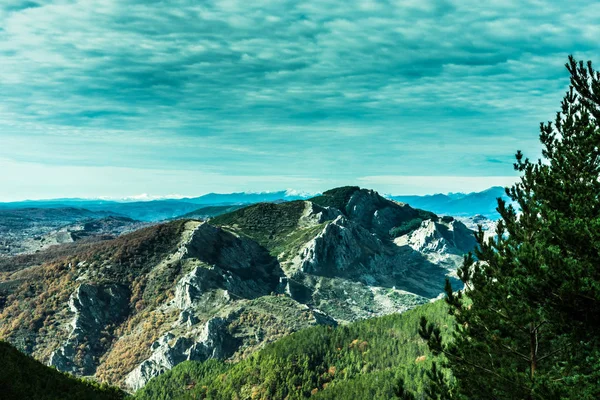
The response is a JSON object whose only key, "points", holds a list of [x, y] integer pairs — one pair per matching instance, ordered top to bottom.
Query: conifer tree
{"points": [[528, 319]]}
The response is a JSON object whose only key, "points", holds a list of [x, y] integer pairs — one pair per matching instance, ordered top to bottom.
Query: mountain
{"points": [[247, 198], [459, 204], [155, 210], [128, 309], [22, 377]]}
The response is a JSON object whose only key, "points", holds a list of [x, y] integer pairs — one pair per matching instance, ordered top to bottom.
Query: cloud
{"points": [[323, 88]]}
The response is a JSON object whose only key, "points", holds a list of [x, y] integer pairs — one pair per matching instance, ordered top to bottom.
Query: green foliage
{"points": [[336, 198], [423, 214], [447, 219], [264, 222], [414, 223], [274, 226], [405, 227], [529, 328], [366, 359], [22, 377], [186, 381]]}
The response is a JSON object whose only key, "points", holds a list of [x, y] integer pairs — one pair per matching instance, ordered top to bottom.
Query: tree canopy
{"points": [[528, 320]]}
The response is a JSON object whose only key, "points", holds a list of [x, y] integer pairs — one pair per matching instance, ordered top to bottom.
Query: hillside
{"points": [[127, 309], [365, 359], [22, 377]]}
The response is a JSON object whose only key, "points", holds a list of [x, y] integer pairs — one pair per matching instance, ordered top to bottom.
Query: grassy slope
{"points": [[336, 198], [274, 226], [33, 315], [365, 359], [22, 377]]}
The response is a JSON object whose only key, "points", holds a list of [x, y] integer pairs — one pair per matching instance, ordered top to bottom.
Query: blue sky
{"points": [[121, 97]]}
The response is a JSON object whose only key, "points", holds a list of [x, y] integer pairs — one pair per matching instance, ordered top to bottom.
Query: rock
{"points": [[315, 214], [377, 214], [488, 226], [441, 238], [217, 247], [341, 248], [240, 266], [191, 287], [95, 307], [187, 318], [212, 342]]}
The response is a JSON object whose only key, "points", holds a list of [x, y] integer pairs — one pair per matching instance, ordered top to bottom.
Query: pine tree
{"points": [[528, 319]]}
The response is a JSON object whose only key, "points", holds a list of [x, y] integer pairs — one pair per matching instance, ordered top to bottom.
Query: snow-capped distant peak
{"points": [[299, 193], [144, 197]]}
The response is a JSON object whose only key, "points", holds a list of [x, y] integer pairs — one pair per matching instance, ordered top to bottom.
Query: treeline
{"points": [[528, 327], [367, 358], [22, 377]]}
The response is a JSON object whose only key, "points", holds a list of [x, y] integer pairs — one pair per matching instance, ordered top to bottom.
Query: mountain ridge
{"points": [[458, 204], [225, 287]]}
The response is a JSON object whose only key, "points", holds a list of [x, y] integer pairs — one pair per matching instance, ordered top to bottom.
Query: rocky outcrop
{"points": [[315, 214], [377, 214], [487, 225], [440, 238], [342, 248], [241, 256], [240, 266], [203, 279], [95, 307], [212, 342]]}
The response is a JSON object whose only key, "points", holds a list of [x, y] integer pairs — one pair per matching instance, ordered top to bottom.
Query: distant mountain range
{"points": [[457, 204], [158, 210]]}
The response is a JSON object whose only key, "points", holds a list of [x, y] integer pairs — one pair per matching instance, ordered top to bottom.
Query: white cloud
{"points": [[325, 89]]}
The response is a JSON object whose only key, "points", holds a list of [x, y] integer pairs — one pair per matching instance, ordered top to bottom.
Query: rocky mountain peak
{"points": [[371, 210]]}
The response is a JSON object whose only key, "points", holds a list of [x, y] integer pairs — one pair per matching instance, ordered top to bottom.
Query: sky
{"points": [[115, 98]]}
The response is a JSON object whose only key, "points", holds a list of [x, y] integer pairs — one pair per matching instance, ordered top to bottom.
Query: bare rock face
{"points": [[315, 214], [487, 225], [437, 237], [441, 243], [342, 247], [242, 257], [237, 265], [192, 286], [95, 307], [212, 342]]}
